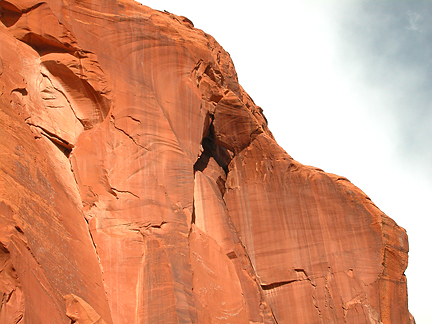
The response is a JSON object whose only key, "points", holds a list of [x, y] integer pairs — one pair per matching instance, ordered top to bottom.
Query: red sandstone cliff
{"points": [[139, 183]]}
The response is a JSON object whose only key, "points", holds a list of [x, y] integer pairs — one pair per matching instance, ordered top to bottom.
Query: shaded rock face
{"points": [[139, 183]]}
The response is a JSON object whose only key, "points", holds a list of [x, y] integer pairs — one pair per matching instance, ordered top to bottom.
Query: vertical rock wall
{"points": [[139, 183]]}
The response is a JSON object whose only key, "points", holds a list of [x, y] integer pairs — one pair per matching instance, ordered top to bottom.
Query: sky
{"points": [[345, 86]]}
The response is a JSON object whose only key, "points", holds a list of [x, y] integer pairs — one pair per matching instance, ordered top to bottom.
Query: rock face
{"points": [[140, 184]]}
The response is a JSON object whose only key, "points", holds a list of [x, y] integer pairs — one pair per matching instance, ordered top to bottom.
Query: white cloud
{"points": [[414, 18]]}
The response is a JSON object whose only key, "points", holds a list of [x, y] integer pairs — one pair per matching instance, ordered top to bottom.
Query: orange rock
{"points": [[140, 184]]}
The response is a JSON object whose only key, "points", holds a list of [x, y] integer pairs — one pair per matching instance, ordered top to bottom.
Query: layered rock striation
{"points": [[139, 183]]}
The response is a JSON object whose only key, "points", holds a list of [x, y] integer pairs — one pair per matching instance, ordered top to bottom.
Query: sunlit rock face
{"points": [[140, 184]]}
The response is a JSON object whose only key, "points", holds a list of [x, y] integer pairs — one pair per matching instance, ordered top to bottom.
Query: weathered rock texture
{"points": [[140, 184]]}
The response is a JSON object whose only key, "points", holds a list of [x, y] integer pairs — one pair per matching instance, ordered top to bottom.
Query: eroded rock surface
{"points": [[139, 183]]}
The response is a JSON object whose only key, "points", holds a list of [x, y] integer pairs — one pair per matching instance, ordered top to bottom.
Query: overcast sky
{"points": [[345, 86]]}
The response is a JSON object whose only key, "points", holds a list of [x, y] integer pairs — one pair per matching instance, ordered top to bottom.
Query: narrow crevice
{"points": [[134, 119], [125, 133], [64, 146], [65, 150], [220, 182], [124, 191], [193, 217], [156, 225], [19, 229], [93, 243], [96, 253], [277, 284], [19, 319]]}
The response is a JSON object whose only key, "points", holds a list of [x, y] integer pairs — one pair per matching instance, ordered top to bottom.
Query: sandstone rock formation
{"points": [[139, 183]]}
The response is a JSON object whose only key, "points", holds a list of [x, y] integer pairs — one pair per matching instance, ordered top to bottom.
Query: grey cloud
{"points": [[391, 45]]}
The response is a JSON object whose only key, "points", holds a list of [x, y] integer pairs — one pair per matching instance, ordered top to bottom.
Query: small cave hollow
{"points": [[9, 14], [43, 45], [212, 150]]}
